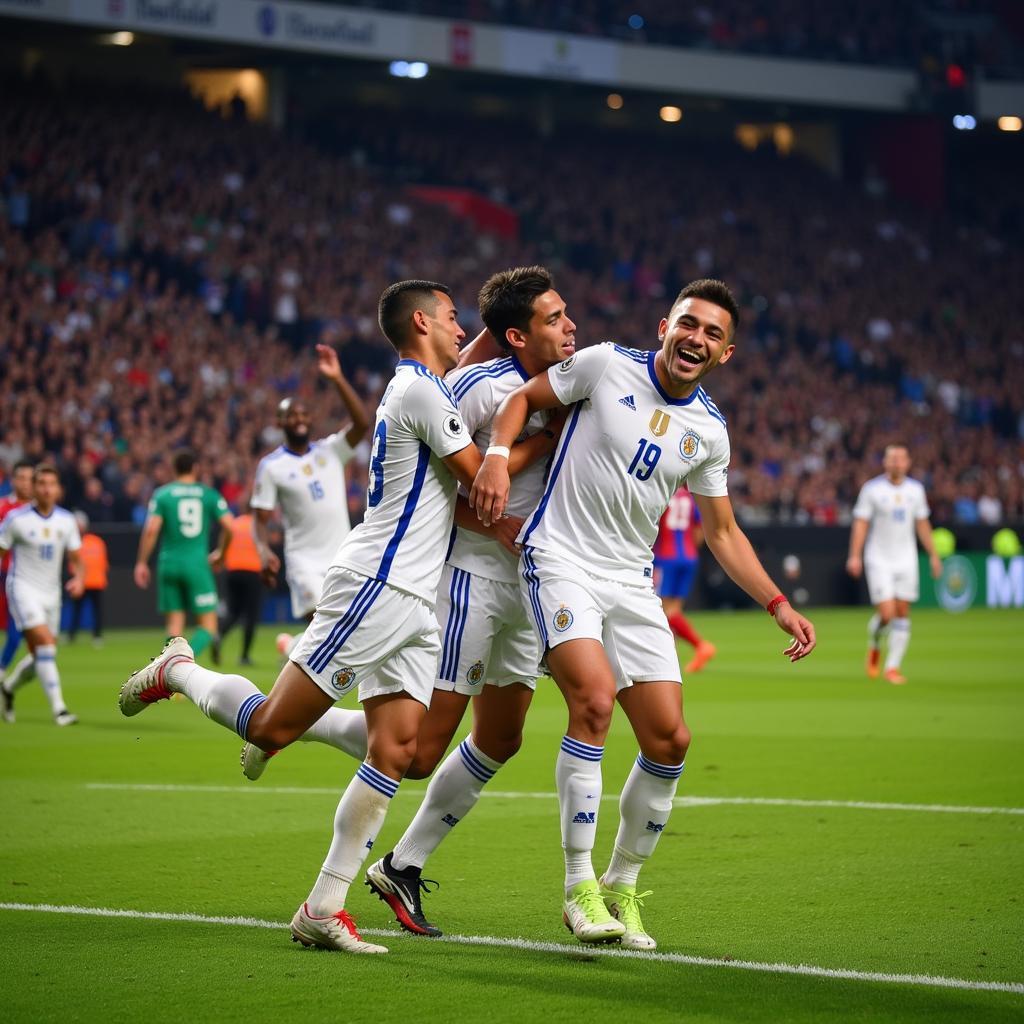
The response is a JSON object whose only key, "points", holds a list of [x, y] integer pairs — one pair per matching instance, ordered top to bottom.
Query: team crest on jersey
{"points": [[566, 364], [659, 422], [452, 426], [689, 444], [321, 461], [307, 469], [46, 531], [562, 619], [475, 673], [343, 680]]}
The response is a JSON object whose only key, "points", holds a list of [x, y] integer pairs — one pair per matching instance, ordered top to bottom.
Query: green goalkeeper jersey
{"points": [[187, 511]]}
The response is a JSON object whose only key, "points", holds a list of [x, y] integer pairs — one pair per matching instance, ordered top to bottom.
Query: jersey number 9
{"points": [[190, 517]]}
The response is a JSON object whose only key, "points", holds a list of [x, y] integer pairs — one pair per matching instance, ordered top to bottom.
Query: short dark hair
{"points": [[717, 292], [507, 298], [398, 303], [184, 461], [22, 464], [43, 469]]}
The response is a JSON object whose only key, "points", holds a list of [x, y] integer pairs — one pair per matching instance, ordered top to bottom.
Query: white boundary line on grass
{"points": [[680, 801], [808, 970]]}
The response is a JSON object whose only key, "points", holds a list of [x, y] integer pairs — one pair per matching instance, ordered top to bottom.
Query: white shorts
{"points": [[887, 582], [305, 584], [568, 603], [30, 607], [369, 635], [488, 636]]}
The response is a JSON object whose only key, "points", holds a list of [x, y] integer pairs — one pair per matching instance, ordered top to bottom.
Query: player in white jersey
{"points": [[640, 425], [307, 479], [890, 516], [38, 537], [374, 627]]}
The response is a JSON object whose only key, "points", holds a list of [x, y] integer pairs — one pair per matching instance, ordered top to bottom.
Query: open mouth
{"points": [[569, 347], [689, 357]]}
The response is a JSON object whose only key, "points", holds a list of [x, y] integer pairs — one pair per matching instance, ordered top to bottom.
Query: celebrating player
{"points": [[307, 479], [22, 489], [183, 512], [890, 516], [38, 536], [675, 566], [587, 576], [374, 627]]}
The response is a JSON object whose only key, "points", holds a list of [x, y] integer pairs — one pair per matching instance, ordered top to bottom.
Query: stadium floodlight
{"points": [[119, 39], [399, 68], [418, 69], [671, 114], [964, 122], [1010, 124]]}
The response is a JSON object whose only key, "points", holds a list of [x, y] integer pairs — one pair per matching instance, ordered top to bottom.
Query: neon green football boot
{"points": [[623, 903]]}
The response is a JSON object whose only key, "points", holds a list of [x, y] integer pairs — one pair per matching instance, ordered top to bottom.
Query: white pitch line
{"points": [[680, 801], [807, 970]]}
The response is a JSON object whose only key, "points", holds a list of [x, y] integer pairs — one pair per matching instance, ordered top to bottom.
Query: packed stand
{"points": [[165, 274]]}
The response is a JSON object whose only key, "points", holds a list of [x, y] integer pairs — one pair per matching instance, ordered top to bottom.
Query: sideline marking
{"points": [[680, 801], [808, 970]]}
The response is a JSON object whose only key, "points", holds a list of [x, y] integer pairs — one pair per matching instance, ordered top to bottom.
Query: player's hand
{"points": [[327, 362], [489, 493], [506, 530], [216, 561], [854, 566], [936, 566], [271, 567], [142, 575], [75, 586], [800, 629]]}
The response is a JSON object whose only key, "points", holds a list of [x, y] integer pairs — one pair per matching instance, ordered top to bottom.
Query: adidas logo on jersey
{"points": [[629, 402], [584, 818]]}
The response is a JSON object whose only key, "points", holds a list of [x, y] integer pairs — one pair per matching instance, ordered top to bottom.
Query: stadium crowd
{"points": [[164, 274]]}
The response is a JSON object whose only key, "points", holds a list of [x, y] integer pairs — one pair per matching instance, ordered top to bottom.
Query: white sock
{"points": [[876, 630], [899, 639], [46, 669], [24, 672], [228, 699], [340, 728], [578, 780], [451, 795], [644, 808], [357, 821]]}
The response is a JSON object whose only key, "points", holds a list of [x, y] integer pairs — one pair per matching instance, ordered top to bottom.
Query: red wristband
{"points": [[773, 604]]}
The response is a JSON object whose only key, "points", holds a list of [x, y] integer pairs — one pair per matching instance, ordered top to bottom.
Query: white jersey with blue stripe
{"points": [[479, 391], [625, 449], [311, 491], [410, 500], [893, 511], [37, 544]]}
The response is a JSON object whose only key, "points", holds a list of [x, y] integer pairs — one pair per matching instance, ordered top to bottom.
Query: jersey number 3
{"points": [[377, 453], [646, 458]]}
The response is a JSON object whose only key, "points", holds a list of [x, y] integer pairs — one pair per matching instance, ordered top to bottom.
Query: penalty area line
{"points": [[680, 801], [561, 948]]}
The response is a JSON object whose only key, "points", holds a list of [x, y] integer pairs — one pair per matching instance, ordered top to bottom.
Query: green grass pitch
{"points": [[911, 890]]}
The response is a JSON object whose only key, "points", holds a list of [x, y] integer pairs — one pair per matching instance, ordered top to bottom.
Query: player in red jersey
{"points": [[21, 482], [675, 567]]}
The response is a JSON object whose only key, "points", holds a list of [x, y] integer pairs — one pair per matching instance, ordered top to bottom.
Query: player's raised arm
{"points": [[330, 369], [489, 493], [731, 547]]}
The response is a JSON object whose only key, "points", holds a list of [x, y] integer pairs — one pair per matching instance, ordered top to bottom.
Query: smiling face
{"points": [[550, 336], [695, 337]]}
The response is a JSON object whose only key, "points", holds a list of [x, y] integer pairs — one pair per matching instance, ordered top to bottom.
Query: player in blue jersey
{"points": [[641, 424], [374, 628]]}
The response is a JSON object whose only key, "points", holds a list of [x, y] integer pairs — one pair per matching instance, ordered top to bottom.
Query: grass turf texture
{"points": [[893, 891]]}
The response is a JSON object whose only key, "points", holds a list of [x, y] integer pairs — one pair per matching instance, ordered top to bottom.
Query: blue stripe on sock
{"points": [[245, 712], [583, 751], [473, 764], [661, 771], [377, 780]]}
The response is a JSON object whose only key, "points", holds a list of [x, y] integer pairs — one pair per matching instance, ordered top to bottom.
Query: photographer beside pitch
{"points": [[640, 425]]}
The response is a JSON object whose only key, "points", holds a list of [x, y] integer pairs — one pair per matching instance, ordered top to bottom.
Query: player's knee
{"points": [[593, 713], [269, 735], [678, 744], [502, 747], [396, 756], [425, 759]]}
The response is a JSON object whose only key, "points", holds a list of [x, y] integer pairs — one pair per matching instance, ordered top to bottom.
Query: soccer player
{"points": [[307, 479], [21, 494], [182, 513], [890, 516], [38, 536], [675, 566], [587, 576], [374, 626]]}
